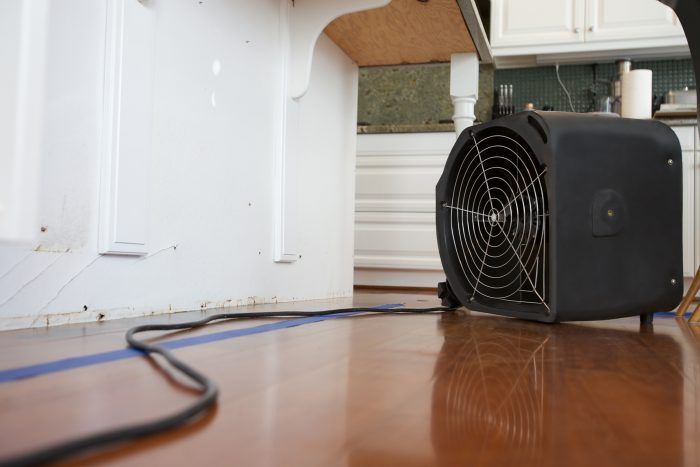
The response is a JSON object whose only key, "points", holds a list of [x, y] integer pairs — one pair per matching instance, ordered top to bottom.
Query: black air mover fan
{"points": [[557, 217]]}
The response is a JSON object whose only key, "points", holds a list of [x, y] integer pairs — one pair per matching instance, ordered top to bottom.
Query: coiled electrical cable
{"points": [[208, 389]]}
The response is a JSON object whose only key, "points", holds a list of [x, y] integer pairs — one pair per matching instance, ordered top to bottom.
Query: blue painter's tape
{"points": [[670, 314], [14, 374]]}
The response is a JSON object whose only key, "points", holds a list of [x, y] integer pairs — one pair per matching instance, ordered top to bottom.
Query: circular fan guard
{"points": [[497, 220]]}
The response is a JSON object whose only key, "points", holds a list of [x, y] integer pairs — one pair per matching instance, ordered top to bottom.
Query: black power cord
{"points": [[207, 387]]}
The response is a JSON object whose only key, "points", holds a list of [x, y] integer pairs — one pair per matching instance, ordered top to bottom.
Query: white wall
{"points": [[22, 61], [211, 187], [395, 239]]}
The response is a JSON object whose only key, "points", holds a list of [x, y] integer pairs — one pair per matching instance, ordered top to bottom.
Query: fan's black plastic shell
{"points": [[637, 270]]}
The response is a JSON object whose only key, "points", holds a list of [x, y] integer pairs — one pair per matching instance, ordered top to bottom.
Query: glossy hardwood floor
{"points": [[455, 389]]}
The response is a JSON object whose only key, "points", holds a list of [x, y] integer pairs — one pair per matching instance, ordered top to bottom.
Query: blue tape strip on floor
{"points": [[671, 314], [14, 374]]}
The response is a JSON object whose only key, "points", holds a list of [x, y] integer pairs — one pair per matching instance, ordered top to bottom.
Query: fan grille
{"points": [[498, 220]]}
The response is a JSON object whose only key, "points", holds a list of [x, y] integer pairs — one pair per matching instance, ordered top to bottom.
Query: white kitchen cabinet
{"points": [[615, 20], [537, 22], [546, 31], [688, 137], [395, 239], [689, 253]]}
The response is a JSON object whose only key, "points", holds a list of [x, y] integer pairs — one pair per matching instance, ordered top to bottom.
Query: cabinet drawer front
{"points": [[398, 172], [396, 241]]}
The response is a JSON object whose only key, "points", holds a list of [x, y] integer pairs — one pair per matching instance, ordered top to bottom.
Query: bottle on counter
{"points": [[623, 66]]}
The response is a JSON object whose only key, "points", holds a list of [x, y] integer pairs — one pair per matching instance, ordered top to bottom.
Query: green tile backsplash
{"points": [[539, 85], [419, 94]]}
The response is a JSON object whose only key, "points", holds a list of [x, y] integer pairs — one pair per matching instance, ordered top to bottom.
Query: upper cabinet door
{"points": [[615, 20], [537, 22]]}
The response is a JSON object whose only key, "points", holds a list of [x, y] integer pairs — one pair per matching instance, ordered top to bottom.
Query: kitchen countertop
{"points": [[682, 121], [448, 127], [406, 128]]}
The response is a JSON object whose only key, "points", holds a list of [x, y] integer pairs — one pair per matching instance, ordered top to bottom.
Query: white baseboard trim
{"points": [[398, 277]]}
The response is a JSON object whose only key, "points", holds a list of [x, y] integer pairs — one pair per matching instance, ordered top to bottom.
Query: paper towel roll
{"points": [[636, 94]]}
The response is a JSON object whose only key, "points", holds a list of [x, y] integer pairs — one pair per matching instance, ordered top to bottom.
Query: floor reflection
{"points": [[489, 391], [492, 391], [508, 392]]}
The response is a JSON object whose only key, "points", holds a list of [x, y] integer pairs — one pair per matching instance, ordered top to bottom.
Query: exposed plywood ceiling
{"points": [[405, 31]]}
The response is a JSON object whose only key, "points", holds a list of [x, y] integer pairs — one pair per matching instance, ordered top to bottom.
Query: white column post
{"points": [[464, 88]]}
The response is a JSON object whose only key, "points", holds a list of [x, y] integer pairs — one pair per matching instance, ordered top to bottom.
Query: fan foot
{"points": [[447, 295], [646, 319]]}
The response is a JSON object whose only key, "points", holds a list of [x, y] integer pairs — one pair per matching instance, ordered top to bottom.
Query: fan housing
{"points": [[556, 216]]}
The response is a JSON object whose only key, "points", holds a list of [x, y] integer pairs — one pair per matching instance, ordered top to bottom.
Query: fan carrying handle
{"points": [[688, 12]]}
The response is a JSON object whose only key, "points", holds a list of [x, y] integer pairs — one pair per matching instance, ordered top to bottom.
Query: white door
{"points": [[630, 19], [537, 22]]}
